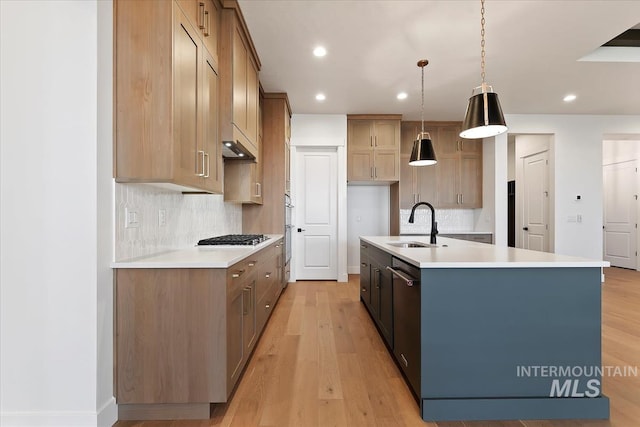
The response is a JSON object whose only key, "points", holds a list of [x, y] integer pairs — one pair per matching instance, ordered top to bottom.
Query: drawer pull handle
{"points": [[252, 263], [238, 274], [267, 275], [364, 289], [267, 306]]}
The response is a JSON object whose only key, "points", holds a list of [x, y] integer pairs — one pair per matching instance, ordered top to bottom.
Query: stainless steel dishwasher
{"points": [[406, 320]]}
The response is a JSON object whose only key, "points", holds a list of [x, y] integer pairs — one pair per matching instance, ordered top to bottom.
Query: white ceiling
{"points": [[532, 51]]}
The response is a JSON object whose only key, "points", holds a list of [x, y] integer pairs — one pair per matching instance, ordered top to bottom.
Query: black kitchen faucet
{"points": [[434, 224]]}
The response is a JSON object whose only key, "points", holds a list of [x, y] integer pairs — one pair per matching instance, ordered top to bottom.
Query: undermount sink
{"points": [[412, 245]]}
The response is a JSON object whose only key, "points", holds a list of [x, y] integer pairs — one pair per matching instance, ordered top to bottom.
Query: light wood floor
{"points": [[321, 362]]}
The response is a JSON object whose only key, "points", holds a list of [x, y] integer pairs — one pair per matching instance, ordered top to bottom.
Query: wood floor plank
{"points": [[321, 338]]}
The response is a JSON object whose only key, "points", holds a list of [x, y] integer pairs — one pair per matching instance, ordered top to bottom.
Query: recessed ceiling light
{"points": [[319, 51], [402, 95], [320, 97], [569, 98]]}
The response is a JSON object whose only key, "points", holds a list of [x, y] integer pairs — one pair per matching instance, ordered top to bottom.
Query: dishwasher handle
{"points": [[408, 280]]}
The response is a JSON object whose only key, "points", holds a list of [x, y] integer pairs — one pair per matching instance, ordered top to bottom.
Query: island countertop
{"points": [[453, 253], [197, 256]]}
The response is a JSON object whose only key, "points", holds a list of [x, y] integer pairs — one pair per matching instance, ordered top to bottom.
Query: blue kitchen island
{"points": [[488, 333]]}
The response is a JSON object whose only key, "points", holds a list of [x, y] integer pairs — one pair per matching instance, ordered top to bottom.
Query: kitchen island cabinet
{"points": [[488, 316], [186, 324]]}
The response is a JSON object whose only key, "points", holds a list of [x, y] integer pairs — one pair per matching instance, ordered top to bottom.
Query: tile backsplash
{"points": [[188, 218], [448, 220]]}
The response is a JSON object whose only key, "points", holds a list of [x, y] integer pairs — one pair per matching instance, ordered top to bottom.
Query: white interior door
{"points": [[317, 214], [620, 214], [535, 221]]}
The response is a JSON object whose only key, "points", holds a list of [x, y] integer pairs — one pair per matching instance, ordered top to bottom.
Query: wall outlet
{"points": [[162, 217], [131, 218]]}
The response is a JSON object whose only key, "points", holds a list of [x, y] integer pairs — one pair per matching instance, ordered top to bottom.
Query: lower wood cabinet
{"points": [[184, 335]]}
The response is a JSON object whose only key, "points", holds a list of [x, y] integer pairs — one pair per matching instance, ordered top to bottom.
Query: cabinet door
{"points": [[210, 15], [239, 81], [186, 95], [252, 103], [386, 134], [360, 135], [212, 146], [360, 165], [386, 165], [287, 168], [448, 177], [470, 180], [407, 182], [427, 183], [365, 275], [376, 277], [249, 317], [235, 344]]}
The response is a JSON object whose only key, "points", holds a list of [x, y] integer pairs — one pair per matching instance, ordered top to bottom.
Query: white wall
{"points": [[323, 130], [578, 164], [367, 215], [54, 319]]}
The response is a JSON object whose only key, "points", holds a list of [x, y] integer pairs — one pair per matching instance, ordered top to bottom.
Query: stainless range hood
{"points": [[235, 150]]}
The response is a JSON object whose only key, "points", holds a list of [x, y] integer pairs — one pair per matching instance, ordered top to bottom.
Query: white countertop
{"points": [[447, 232], [453, 253], [197, 256]]}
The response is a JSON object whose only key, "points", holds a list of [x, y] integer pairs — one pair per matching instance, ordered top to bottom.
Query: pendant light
{"points": [[484, 116], [423, 153]]}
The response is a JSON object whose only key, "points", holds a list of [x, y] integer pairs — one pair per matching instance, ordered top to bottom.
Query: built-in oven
{"points": [[288, 228]]}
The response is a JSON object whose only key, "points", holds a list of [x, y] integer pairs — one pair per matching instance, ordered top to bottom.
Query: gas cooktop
{"points": [[234, 239]]}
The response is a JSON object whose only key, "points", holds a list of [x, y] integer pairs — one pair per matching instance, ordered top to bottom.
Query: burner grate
{"points": [[234, 239]]}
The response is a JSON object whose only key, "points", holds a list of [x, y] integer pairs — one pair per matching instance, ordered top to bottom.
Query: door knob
{"points": [[525, 228], [300, 230]]}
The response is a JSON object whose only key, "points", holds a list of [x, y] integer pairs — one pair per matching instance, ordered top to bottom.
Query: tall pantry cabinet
{"points": [[166, 93]]}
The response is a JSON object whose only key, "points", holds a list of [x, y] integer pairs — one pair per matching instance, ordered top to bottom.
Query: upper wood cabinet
{"points": [[205, 16], [240, 65], [166, 98], [373, 148], [244, 181], [455, 181], [269, 217]]}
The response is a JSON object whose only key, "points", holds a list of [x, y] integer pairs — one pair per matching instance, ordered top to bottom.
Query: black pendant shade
{"points": [[484, 116], [423, 153]]}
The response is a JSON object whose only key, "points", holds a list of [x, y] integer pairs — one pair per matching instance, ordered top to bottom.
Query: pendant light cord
{"points": [[482, 39], [422, 107]]}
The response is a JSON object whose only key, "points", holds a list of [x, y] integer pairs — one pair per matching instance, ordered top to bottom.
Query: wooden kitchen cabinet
{"points": [[205, 16], [240, 66], [166, 98], [373, 148], [459, 169], [244, 181], [455, 181], [417, 183], [269, 217], [184, 335]]}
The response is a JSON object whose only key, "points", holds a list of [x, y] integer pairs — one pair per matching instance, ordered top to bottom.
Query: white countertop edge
{"points": [[448, 232], [462, 251], [197, 256]]}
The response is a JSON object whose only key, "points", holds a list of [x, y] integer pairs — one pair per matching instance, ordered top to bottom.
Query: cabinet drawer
{"points": [[265, 305]]}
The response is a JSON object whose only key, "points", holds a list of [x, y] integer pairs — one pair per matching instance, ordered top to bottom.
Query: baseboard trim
{"points": [[108, 414], [48, 418]]}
